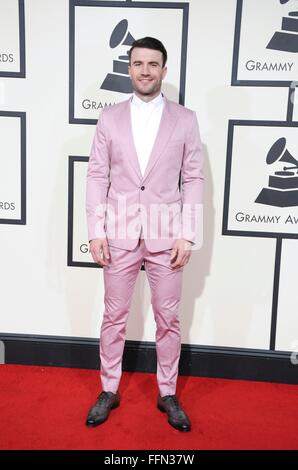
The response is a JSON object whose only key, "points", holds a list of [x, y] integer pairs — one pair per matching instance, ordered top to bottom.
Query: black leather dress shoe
{"points": [[99, 413], [176, 416]]}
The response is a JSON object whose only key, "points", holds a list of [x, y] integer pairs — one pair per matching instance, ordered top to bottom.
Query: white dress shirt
{"points": [[145, 120]]}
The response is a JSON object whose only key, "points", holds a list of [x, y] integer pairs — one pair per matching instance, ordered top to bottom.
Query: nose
{"points": [[145, 69]]}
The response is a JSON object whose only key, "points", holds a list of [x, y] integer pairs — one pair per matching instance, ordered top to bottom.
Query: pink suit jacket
{"points": [[122, 204]]}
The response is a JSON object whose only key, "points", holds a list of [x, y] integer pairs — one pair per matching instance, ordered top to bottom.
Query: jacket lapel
{"points": [[166, 127], [125, 134]]}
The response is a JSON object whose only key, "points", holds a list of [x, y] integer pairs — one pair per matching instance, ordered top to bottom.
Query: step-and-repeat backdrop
{"points": [[235, 63]]}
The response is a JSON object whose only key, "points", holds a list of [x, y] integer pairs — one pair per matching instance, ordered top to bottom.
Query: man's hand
{"points": [[99, 250], [181, 253]]}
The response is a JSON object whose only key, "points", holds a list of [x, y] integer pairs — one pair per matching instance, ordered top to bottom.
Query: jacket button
{"points": [[142, 188]]}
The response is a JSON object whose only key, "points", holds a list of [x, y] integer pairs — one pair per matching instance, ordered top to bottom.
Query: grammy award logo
{"points": [[287, 39], [119, 80], [283, 185]]}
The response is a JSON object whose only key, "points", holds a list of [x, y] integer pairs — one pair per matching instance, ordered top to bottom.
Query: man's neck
{"points": [[147, 98]]}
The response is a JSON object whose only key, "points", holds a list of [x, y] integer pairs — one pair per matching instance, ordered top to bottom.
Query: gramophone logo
{"points": [[286, 39], [119, 80], [282, 188]]}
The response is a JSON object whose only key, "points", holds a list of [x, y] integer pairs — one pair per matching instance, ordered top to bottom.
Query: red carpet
{"points": [[45, 408]]}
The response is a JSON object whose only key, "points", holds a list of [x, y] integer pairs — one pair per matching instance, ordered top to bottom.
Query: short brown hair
{"points": [[150, 43]]}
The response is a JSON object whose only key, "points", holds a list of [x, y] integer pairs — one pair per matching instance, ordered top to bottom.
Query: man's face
{"points": [[146, 72]]}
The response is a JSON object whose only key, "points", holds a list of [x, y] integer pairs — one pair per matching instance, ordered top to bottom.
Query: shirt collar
{"points": [[157, 101]]}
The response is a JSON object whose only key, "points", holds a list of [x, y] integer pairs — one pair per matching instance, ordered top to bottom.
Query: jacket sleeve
{"points": [[97, 182], [192, 182]]}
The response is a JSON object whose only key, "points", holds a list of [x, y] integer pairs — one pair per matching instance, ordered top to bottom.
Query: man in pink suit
{"points": [[144, 192]]}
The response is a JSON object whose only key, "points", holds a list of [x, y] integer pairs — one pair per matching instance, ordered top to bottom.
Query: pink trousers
{"points": [[165, 285]]}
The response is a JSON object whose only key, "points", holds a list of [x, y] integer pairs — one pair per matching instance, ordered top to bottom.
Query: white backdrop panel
{"points": [[9, 36], [10, 168], [227, 293]]}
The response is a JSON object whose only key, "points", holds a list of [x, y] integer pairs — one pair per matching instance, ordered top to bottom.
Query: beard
{"points": [[147, 88]]}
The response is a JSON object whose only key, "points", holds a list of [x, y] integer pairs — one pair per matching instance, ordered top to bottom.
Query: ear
{"points": [[164, 72]]}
